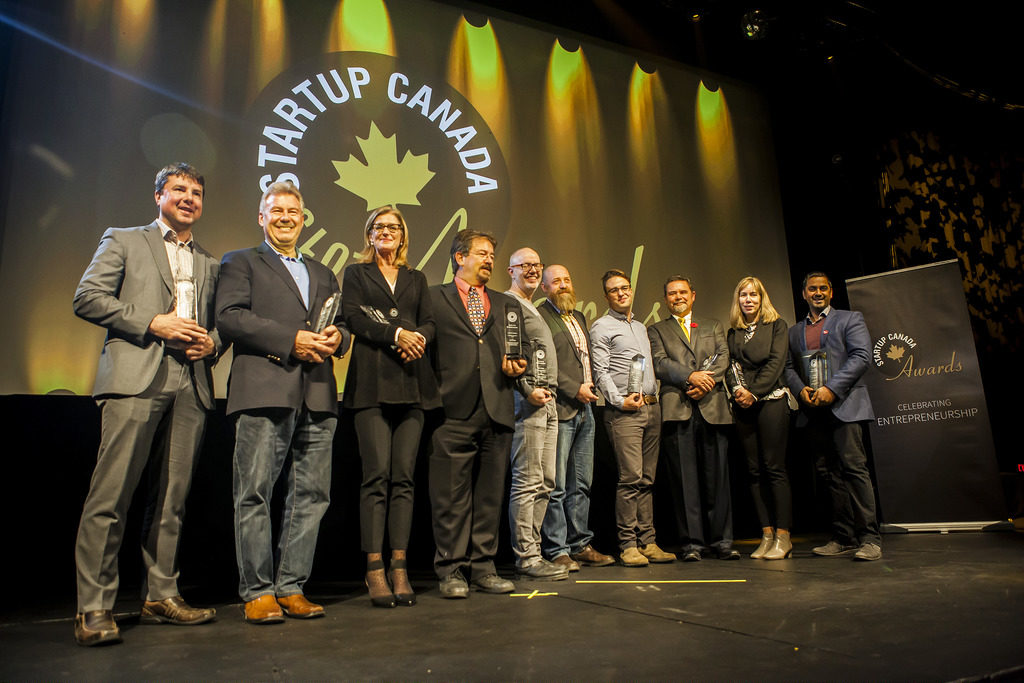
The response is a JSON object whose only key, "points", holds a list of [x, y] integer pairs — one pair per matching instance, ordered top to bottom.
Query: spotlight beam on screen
{"points": [[361, 26], [477, 70], [152, 87], [573, 118], [715, 139]]}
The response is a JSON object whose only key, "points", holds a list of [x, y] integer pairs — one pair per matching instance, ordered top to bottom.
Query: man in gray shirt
{"points": [[633, 419], [536, 432]]}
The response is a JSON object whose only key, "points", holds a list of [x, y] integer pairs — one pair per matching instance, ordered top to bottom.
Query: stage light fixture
{"points": [[754, 25]]}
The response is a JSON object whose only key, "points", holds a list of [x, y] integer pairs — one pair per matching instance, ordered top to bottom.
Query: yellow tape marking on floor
{"points": [[676, 581], [531, 596]]}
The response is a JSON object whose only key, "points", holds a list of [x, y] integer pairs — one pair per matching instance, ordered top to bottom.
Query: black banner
{"points": [[932, 441]]}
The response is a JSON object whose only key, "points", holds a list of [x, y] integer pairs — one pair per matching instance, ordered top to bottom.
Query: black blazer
{"points": [[259, 310], [763, 358], [570, 363], [467, 365], [376, 373]]}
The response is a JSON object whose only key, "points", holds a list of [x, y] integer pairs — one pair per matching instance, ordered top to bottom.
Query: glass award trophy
{"points": [[186, 304], [328, 312], [513, 334], [540, 364], [814, 367], [736, 375], [635, 379]]}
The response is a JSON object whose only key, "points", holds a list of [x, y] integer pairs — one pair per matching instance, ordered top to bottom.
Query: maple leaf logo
{"points": [[383, 179], [895, 352]]}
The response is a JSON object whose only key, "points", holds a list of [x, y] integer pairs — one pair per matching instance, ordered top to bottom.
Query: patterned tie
{"points": [[475, 307], [686, 330]]}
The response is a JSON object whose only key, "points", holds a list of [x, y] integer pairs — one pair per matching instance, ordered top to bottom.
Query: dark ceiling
{"points": [[962, 54]]}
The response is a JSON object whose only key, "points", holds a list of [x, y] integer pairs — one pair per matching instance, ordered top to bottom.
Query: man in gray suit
{"points": [[152, 288], [690, 358]]}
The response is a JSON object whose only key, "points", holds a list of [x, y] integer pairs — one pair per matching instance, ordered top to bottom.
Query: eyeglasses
{"points": [[384, 227], [527, 267], [614, 291]]}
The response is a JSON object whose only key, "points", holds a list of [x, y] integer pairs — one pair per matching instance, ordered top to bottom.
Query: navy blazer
{"points": [[259, 310], [845, 339], [467, 365], [377, 374]]}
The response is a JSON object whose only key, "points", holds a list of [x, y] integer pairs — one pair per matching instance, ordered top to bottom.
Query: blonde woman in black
{"points": [[758, 344], [389, 387]]}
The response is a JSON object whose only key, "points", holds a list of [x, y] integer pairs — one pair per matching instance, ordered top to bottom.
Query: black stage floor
{"points": [[937, 607]]}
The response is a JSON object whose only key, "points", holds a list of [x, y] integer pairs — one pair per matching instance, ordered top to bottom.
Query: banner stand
{"points": [[946, 527]]}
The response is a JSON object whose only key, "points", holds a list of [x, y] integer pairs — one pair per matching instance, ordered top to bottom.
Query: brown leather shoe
{"points": [[588, 557], [567, 562], [298, 607], [263, 610], [175, 611], [96, 628]]}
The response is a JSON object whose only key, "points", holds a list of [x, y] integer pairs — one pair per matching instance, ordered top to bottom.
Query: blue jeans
{"points": [[263, 441], [566, 524]]}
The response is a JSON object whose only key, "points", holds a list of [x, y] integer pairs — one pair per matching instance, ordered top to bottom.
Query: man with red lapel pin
{"points": [[690, 359]]}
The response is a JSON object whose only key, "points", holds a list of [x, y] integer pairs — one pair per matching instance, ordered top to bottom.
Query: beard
{"points": [[565, 301]]}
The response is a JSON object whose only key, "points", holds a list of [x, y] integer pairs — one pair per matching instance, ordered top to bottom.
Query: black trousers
{"points": [[763, 430], [389, 439], [842, 463], [468, 464], [698, 465]]}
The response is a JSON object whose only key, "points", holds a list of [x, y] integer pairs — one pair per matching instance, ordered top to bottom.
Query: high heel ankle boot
{"points": [[767, 538], [781, 549], [399, 576], [377, 584]]}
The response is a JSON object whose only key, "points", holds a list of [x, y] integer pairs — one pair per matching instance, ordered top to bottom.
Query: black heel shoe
{"points": [[398, 568], [377, 584]]}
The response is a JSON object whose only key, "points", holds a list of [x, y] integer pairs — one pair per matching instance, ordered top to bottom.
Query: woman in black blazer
{"points": [[758, 343], [389, 386]]}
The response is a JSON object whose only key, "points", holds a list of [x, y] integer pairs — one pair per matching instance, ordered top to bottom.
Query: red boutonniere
{"points": [[694, 325]]}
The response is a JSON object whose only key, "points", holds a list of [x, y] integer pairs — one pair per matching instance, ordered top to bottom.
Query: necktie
{"points": [[475, 308], [686, 330]]}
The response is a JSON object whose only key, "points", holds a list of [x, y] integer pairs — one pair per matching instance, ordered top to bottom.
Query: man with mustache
{"points": [[833, 414], [632, 418], [470, 450], [566, 534]]}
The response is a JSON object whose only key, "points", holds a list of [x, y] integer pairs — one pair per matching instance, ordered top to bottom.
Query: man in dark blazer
{"points": [[690, 359], [154, 388], [283, 397], [833, 415], [470, 449], [566, 536]]}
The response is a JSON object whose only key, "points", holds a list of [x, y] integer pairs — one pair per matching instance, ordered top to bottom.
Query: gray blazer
{"points": [[128, 282], [675, 358]]}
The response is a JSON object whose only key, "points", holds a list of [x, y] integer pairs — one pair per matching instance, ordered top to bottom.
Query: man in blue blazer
{"points": [[154, 388], [284, 400], [833, 414]]}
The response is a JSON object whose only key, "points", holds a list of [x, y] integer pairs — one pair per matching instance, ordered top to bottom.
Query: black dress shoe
{"points": [[727, 554], [692, 555], [492, 583], [454, 586], [96, 628]]}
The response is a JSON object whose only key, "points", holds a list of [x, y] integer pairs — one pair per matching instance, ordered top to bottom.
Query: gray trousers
{"points": [[162, 427], [635, 436], [534, 446]]}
